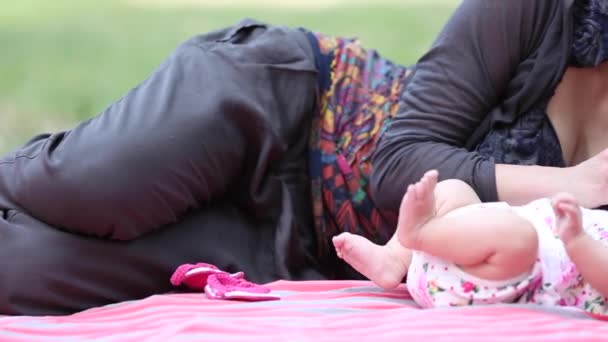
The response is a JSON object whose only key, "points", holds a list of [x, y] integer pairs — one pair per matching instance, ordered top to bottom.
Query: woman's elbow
{"points": [[393, 169]]}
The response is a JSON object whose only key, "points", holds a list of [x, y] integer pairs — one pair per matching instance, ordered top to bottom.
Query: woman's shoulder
{"points": [[521, 25]]}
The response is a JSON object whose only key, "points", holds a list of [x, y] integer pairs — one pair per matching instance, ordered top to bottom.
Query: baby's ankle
{"points": [[410, 240]]}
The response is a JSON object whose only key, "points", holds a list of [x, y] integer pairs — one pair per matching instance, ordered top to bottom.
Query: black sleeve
{"points": [[462, 78]]}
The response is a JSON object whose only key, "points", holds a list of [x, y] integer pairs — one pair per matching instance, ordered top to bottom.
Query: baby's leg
{"points": [[490, 243], [387, 265]]}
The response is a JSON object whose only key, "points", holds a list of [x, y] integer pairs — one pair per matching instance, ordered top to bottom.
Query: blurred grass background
{"points": [[62, 61]]}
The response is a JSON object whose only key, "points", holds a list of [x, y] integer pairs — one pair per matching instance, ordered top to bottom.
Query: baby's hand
{"points": [[568, 221]]}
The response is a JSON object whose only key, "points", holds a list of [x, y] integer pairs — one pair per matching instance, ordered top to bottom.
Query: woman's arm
{"points": [[468, 73], [587, 181], [521, 184]]}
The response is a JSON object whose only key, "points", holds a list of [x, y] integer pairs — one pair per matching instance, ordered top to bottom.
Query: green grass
{"points": [[65, 60]]}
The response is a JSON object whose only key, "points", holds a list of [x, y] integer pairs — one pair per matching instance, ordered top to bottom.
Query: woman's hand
{"points": [[588, 181]]}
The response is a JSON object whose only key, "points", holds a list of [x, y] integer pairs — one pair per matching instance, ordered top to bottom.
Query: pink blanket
{"points": [[308, 311]]}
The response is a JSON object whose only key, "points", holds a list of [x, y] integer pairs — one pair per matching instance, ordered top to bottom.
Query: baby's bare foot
{"points": [[417, 207], [568, 223], [384, 265]]}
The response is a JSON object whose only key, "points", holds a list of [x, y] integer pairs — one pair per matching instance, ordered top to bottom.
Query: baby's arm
{"points": [[589, 255], [591, 259]]}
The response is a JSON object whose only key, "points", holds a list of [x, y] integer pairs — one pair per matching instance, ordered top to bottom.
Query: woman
{"points": [[223, 153]]}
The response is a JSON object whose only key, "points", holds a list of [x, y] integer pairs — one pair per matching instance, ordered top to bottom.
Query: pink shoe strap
{"points": [[222, 283], [219, 286]]}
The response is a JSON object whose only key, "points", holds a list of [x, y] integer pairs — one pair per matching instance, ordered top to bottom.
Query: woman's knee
{"points": [[133, 168], [73, 187]]}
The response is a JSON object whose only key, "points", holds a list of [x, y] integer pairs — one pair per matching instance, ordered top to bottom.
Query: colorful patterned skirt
{"points": [[356, 103]]}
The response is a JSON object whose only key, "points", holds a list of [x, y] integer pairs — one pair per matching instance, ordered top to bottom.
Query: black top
{"points": [[493, 61]]}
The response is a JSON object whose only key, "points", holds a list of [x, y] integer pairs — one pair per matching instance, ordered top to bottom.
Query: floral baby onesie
{"points": [[553, 280]]}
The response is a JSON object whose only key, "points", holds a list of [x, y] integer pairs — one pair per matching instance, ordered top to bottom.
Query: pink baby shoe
{"points": [[195, 276]]}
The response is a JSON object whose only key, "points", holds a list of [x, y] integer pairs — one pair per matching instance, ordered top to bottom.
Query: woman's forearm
{"points": [[521, 184], [591, 259]]}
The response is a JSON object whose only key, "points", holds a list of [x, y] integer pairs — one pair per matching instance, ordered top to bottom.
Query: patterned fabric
{"points": [[590, 41], [357, 100], [553, 281], [434, 283], [562, 283]]}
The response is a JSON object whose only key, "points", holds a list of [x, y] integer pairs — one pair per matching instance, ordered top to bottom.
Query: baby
{"points": [[457, 251]]}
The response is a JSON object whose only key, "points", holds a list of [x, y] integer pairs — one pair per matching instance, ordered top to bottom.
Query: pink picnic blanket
{"points": [[308, 311]]}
